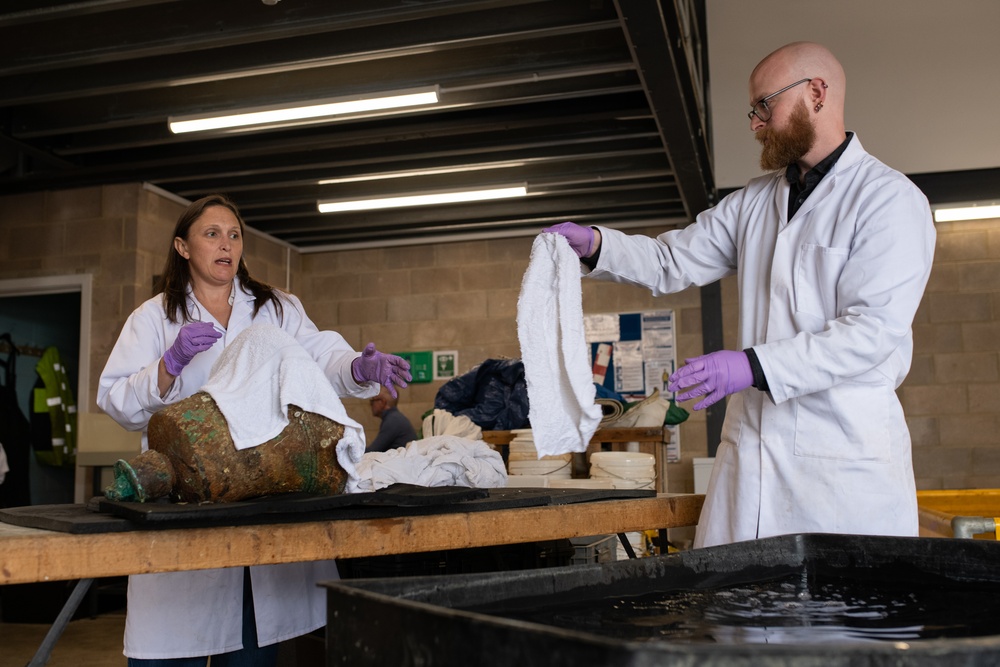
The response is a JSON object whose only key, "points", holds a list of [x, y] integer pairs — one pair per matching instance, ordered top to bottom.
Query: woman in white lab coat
{"points": [[826, 301], [164, 354]]}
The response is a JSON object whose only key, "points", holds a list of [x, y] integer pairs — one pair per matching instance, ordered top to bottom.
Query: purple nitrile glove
{"points": [[581, 239], [191, 339], [386, 369], [717, 374]]}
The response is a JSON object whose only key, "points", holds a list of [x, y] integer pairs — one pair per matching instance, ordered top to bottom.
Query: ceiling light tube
{"points": [[284, 115], [433, 171], [340, 206], [967, 212]]}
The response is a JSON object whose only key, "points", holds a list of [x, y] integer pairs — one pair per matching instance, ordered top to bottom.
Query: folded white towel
{"points": [[557, 368], [261, 373], [442, 460]]}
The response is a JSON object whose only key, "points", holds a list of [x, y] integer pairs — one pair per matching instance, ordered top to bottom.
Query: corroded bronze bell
{"points": [[192, 458]]}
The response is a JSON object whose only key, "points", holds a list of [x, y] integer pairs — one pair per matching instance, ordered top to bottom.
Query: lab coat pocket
{"points": [[816, 278], [848, 422], [732, 425]]}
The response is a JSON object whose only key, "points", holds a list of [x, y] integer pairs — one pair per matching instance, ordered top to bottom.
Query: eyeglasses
{"points": [[761, 108]]}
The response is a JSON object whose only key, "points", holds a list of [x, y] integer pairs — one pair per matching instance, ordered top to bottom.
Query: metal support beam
{"points": [[670, 57], [668, 61], [711, 340]]}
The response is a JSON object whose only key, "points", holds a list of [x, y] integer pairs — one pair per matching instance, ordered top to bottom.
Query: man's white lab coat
{"points": [[826, 301], [186, 614]]}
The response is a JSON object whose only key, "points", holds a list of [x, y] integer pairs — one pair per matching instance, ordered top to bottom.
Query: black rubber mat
{"points": [[102, 516], [64, 519]]}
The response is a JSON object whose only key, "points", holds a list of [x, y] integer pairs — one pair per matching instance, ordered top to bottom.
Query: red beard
{"points": [[783, 147]]}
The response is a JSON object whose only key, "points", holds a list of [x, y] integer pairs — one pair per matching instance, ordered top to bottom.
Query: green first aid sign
{"points": [[421, 367]]}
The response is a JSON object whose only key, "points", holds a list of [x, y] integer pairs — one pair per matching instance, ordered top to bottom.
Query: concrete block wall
{"points": [[92, 230], [117, 233], [454, 296], [463, 296], [952, 395]]}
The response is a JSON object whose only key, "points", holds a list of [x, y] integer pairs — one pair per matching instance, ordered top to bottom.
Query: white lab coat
{"points": [[826, 301], [186, 614]]}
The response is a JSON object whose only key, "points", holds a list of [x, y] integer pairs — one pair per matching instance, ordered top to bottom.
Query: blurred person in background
{"points": [[395, 430]]}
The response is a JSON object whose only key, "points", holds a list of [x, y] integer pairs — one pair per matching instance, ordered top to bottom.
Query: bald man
{"points": [[831, 250], [396, 430]]}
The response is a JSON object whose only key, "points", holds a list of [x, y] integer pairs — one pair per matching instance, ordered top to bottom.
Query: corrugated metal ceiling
{"points": [[597, 107]]}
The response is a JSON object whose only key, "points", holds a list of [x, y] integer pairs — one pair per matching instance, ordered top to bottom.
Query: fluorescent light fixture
{"points": [[284, 115], [409, 173], [339, 206], [967, 212]]}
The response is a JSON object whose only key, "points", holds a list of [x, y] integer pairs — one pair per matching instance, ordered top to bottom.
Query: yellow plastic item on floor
{"points": [[960, 513]]}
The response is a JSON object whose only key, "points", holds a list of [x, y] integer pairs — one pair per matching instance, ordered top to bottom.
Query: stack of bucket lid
{"points": [[527, 470], [625, 470], [592, 483]]}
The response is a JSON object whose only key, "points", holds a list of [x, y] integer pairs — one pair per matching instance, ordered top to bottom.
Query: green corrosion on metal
{"points": [[193, 415], [193, 435], [306, 468], [124, 485], [120, 489]]}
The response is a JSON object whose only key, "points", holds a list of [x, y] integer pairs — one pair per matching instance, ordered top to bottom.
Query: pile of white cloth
{"points": [[557, 368], [265, 370], [261, 373], [442, 422], [442, 460]]}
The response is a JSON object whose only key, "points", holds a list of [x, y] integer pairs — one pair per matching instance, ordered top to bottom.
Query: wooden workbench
{"points": [[651, 440], [29, 554]]}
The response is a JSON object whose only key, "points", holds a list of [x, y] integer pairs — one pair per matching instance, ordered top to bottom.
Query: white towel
{"points": [[557, 369], [261, 373], [442, 422], [442, 460], [4, 468]]}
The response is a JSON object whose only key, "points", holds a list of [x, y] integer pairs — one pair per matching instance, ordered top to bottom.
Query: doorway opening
{"points": [[38, 313]]}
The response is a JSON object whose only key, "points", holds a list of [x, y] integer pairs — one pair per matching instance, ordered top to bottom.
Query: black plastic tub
{"points": [[480, 619]]}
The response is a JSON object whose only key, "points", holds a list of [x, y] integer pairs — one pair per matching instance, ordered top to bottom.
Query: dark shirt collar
{"points": [[817, 173], [799, 191]]}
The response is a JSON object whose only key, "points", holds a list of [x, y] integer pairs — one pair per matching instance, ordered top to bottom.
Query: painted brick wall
{"points": [[117, 233], [463, 296], [952, 394]]}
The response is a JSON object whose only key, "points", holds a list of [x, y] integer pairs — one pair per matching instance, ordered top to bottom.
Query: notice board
{"points": [[633, 354]]}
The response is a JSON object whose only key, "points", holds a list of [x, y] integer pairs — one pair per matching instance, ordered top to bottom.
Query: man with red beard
{"points": [[831, 251]]}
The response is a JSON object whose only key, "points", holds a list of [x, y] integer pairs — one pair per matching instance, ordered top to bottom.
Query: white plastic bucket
{"points": [[554, 468], [625, 470]]}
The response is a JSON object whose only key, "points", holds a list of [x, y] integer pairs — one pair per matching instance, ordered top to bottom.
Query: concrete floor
{"points": [[87, 642], [97, 642]]}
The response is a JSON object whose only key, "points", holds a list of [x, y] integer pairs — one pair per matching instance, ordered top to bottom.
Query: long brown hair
{"points": [[176, 276]]}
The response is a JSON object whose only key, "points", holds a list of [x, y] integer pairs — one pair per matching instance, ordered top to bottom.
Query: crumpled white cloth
{"points": [[261, 373], [561, 406], [442, 422], [441, 460], [4, 468]]}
